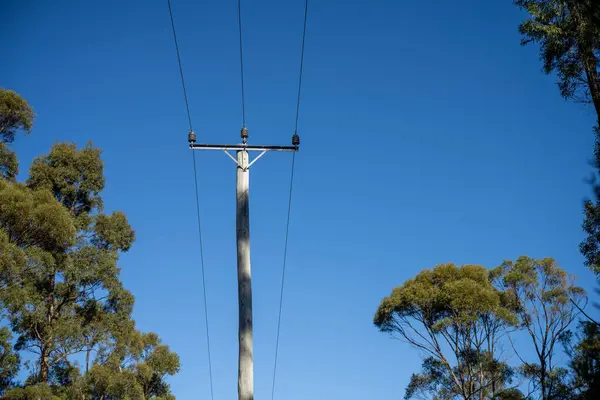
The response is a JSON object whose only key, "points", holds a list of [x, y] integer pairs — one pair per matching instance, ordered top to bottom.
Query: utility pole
{"points": [[245, 360]]}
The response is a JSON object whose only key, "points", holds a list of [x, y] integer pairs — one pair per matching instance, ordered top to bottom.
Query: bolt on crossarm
{"points": [[243, 164]]}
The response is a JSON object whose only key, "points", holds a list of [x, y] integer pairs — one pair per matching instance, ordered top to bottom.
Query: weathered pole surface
{"points": [[246, 363]]}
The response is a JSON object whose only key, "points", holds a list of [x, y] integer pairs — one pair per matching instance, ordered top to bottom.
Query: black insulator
{"points": [[244, 133], [192, 137], [296, 140]]}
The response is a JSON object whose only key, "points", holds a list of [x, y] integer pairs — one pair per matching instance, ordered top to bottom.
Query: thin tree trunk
{"points": [[590, 64], [47, 341], [87, 360], [44, 364], [543, 380]]}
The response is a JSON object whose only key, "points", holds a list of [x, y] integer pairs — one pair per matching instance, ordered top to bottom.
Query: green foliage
{"points": [[568, 33], [15, 115], [9, 166], [74, 177], [34, 219], [113, 232], [590, 246], [71, 267], [60, 287], [442, 297], [546, 301], [455, 316], [460, 317], [9, 360], [585, 361], [135, 367], [434, 378], [436, 381], [116, 385], [34, 392], [509, 394]]}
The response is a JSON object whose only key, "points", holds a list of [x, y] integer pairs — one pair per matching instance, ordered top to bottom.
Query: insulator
{"points": [[244, 133], [192, 137], [296, 140]]}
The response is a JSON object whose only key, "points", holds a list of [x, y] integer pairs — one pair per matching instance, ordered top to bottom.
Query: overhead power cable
{"points": [[301, 65], [187, 107], [289, 211]]}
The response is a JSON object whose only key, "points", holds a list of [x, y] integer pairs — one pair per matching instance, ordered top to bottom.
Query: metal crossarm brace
{"points": [[241, 147]]}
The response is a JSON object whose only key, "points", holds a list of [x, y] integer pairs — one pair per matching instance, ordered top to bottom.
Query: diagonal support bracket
{"points": [[230, 156], [256, 158], [252, 162]]}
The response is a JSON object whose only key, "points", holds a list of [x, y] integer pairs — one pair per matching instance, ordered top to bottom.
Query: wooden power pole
{"points": [[245, 360]]}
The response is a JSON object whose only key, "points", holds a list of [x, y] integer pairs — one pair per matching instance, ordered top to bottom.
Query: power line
{"points": [[241, 63], [301, 65], [187, 107], [289, 212], [285, 247], [203, 276]]}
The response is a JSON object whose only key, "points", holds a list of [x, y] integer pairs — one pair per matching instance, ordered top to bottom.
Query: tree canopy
{"points": [[568, 34], [16, 115], [61, 294], [546, 301], [456, 317], [461, 319]]}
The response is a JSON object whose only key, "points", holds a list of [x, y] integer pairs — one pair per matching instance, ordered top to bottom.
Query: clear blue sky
{"points": [[428, 135]]}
